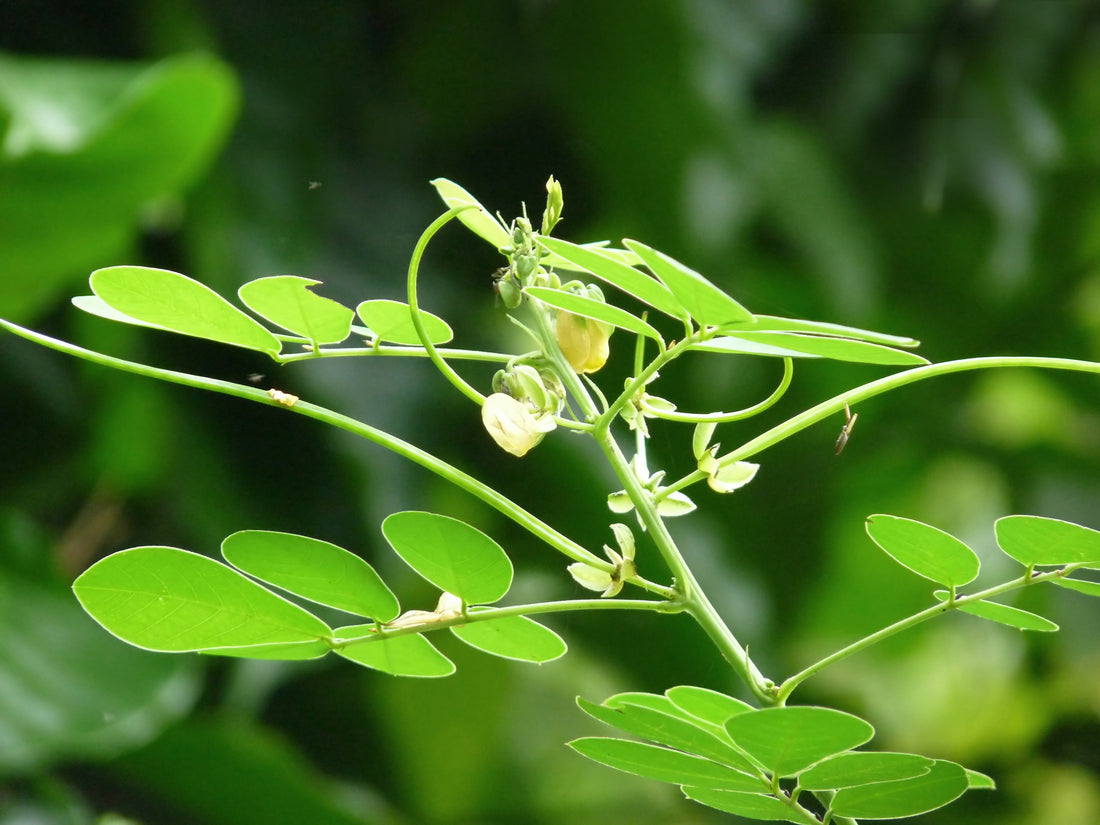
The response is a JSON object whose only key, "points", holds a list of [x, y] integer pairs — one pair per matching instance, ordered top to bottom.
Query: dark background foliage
{"points": [[926, 167]]}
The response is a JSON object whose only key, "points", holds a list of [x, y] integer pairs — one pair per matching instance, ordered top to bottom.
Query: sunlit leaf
{"points": [[478, 220], [606, 267], [171, 301], [288, 301], [707, 304], [94, 305], [580, 305], [392, 321], [771, 322], [795, 345], [1043, 541], [926, 550], [452, 555], [312, 569], [1089, 588], [167, 599], [1004, 614], [513, 637], [296, 651], [409, 654], [708, 705], [671, 731], [787, 740], [664, 765], [847, 770], [979, 781], [944, 783], [748, 805]]}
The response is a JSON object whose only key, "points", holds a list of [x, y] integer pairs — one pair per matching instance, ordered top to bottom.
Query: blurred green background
{"points": [[924, 167]]}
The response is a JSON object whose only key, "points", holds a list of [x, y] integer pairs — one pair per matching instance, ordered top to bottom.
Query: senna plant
{"points": [[772, 759]]}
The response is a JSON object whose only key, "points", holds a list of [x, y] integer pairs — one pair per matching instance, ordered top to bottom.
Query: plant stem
{"points": [[788, 686]]}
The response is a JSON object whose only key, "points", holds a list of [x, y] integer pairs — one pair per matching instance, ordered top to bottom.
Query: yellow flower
{"points": [[583, 342], [512, 424]]}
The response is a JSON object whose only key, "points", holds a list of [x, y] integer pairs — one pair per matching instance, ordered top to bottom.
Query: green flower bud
{"points": [[555, 202]]}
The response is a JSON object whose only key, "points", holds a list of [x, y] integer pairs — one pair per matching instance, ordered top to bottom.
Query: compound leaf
{"points": [[288, 301], [174, 302], [926, 550], [452, 555], [313, 569], [172, 600]]}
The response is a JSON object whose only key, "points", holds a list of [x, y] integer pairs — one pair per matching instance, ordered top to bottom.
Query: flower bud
{"points": [[583, 341], [513, 425]]}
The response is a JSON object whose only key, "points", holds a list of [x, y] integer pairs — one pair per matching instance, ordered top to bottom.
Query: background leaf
{"points": [[288, 302], [180, 304], [392, 321], [926, 550], [452, 555], [314, 569], [167, 599]]}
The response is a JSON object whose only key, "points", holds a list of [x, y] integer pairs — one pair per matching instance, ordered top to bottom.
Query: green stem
{"points": [[891, 382], [477, 488], [540, 608], [788, 686]]}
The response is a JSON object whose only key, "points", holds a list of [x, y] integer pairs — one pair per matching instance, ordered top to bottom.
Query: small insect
{"points": [[315, 184], [255, 377], [284, 398], [846, 430]]}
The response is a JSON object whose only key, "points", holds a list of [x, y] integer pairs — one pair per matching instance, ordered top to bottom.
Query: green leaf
{"points": [[478, 221], [613, 271], [168, 300], [288, 301], [707, 304], [94, 305], [580, 305], [392, 321], [771, 322], [794, 345], [1047, 541], [926, 550], [452, 555], [312, 569], [1089, 588], [172, 600], [1003, 614], [513, 637], [294, 652], [409, 654], [708, 705], [671, 731], [788, 740], [664, 765], [847, 770], [979, 781], [943, 784], [748, 805]]}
